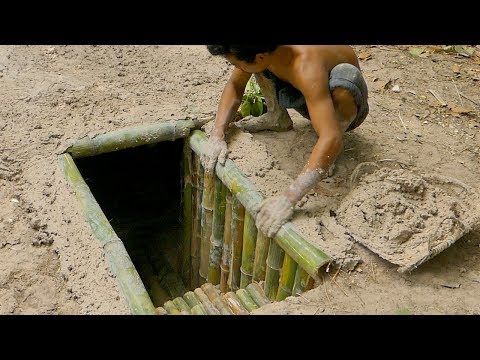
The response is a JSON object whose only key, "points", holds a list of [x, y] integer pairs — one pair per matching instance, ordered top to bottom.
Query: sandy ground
{"points": [[51, 95]]}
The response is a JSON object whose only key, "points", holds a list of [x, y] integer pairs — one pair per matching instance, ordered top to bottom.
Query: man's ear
{"points": [[260, 57]]}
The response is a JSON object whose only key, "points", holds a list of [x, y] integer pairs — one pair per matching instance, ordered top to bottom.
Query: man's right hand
{"points": [[216, 151]]}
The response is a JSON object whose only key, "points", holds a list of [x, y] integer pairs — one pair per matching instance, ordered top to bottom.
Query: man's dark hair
{"points": [[241, 52]]}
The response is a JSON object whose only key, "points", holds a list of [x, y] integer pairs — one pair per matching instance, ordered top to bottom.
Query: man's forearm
{"points": [[229, 104], [303, 184]]}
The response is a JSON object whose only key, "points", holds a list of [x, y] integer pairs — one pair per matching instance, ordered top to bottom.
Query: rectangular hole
{"points": [[139, 190]]}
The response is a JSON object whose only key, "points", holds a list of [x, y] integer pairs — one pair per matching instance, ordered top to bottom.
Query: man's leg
{"points": [[276, 118]]}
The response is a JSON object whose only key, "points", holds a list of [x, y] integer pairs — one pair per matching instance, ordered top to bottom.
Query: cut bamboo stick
{"points": [[131, 137], [208, 204], [187, 214], [238, 215], [197, 223], [288, 237], [216, 240], [227, 245], [248, 250], [261, 253], [272, 274], [287, 278], [301, 280], [131, 286], [211, 291], [256, 293], [191, 299], [246, 300], [181, 304], [234, 304], [222, 306], [171, 308], [210, 309], [198, 310], [161, 311]]}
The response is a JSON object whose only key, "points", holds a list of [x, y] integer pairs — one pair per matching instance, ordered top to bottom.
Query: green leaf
{"points": [[464, 50], [416, 51], [245, 108], [257, 108], [403, 311]]}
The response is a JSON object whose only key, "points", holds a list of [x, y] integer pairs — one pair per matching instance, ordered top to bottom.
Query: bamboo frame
{"points": [[133, 137], [208, 203], [187, 214], [238, 216], [197, 223], [289, 239], [216, 240], [227, 245], [248, 250], [261, 253], [272, 274], [287, 278], [301, 281], [131, 286], [257, 294], [191, 299], [246, 300], [234, 304], [181, 305], [171, 309], [210, 309], [199, 310]]}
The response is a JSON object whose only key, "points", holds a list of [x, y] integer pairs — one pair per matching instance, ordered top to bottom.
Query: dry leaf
{"points": [[416, 51], [364, 56], [456, 68], [461, 109]]}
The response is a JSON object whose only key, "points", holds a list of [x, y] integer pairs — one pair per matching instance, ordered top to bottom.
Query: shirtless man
{"points": [[323, 83]]}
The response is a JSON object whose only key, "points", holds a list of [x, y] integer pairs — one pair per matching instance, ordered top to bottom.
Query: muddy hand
{"points": [[216, 151], [273, 213]]}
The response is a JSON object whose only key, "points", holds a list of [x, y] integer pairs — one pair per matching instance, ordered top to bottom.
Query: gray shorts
{"points": [[344, 75]]}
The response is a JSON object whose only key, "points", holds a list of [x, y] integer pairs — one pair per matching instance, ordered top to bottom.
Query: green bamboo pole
{"points": [[131, 137], [208, 204], [187, 214], [238, 217], [197, 223], [289, 239], [216, 240], [227, 245], [248, 250], [261, 253], [272, 274], [287, 278], [301, 280], [131, 286], [211, 291], [257, 294], [191, 299], [246, 300], [181, 304], [234, 304], [222, 306], [171, 308], [210, 309], [198, 310], [161, 311]]}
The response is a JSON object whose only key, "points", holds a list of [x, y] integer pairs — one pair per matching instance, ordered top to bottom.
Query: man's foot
{"points": [[275, 121]]}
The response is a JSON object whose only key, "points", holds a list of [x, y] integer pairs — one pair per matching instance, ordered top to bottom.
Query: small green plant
{"points": [[253, 101]]}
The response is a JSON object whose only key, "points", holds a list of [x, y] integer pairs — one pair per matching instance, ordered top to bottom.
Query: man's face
{"points": [[258, 66]]}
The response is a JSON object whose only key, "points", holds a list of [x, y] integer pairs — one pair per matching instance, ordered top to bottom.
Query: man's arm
{"points": [[229, 103], [277, 210]]}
